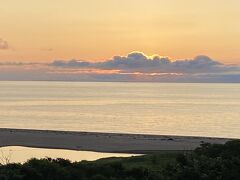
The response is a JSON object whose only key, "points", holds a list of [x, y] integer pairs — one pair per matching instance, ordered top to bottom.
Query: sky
{"points": [[37, 34]]}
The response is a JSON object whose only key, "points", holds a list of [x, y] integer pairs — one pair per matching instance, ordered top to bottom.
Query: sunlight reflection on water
{"points": [[146, 108]]}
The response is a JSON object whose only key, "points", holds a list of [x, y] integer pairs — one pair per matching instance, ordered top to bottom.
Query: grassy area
{"points": [[154, 160]]}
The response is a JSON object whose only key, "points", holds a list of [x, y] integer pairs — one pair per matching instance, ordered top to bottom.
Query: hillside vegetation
{"points": [[208, 162]]}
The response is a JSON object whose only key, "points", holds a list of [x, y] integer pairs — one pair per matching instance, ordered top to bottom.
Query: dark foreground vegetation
{"points": [[209, 162]]}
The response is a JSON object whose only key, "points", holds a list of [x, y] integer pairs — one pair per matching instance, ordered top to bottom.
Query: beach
{"points": [[101, 142]]}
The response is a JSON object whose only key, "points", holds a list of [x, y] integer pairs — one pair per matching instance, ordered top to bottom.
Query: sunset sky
{"points": [[42, 31], [120, 40]]}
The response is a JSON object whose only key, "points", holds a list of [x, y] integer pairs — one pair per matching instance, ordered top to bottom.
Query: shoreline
{"points": [[102, 142]]}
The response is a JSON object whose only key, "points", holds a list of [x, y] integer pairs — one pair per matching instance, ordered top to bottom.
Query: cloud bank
{"points": [[137, 61], [135, 66]]}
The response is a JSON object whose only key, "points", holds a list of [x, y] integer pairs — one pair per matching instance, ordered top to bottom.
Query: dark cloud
{"points": [[3, 44], [134, 61], [71, 64], [156, 64], [135, 67]]}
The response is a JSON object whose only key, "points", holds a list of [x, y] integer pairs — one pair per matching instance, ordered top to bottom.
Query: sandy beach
{"points": [[100, 142]]}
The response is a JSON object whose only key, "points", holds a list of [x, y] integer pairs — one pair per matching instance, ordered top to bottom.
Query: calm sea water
{"points": [[152, 108]]}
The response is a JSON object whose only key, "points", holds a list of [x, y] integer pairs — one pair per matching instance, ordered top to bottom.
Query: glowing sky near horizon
{"points": [[41, 31]]}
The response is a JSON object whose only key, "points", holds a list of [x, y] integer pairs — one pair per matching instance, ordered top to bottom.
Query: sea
{"points": [[184, 109]]}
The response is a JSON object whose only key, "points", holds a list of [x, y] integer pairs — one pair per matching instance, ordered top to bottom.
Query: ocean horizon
{"points": [[184, 109]]}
